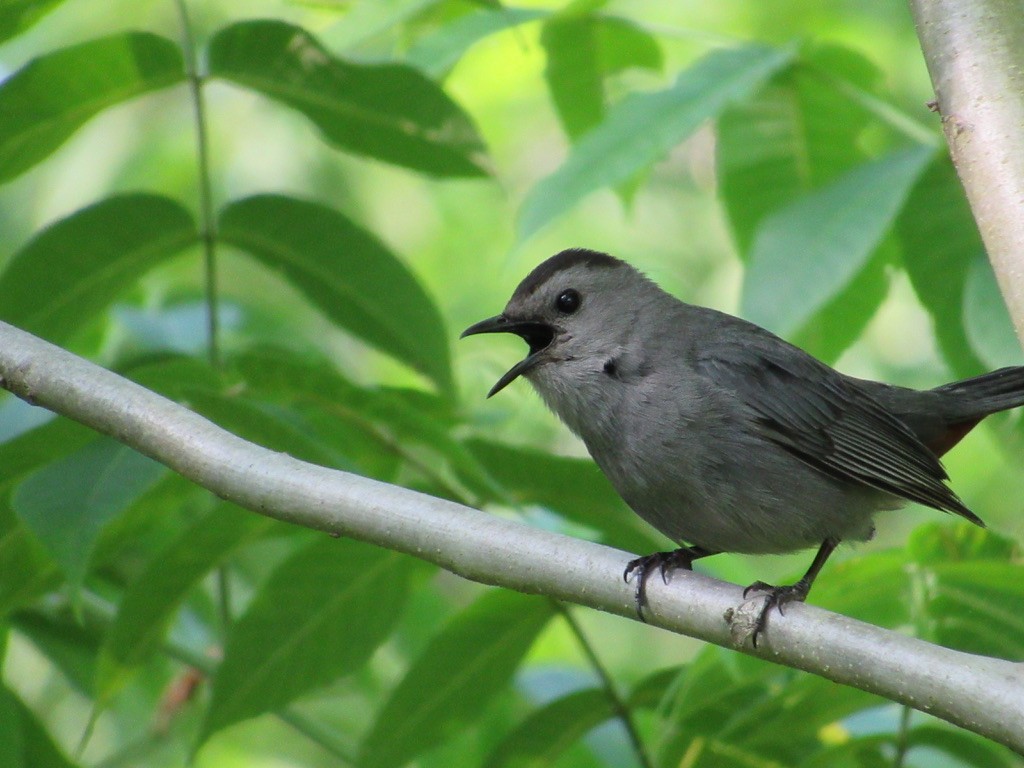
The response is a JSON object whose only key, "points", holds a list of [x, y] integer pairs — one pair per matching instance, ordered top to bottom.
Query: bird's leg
{"points": [[643, 567], [778, 597]]}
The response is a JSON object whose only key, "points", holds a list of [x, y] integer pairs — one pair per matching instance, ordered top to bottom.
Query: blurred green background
{"points": [[675, 219]]}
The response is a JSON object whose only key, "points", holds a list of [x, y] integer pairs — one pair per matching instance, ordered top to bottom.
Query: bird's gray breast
{"points": [[687, 457]]}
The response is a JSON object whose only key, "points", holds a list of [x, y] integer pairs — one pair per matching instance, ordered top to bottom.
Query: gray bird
{"points": [[719, 433]]}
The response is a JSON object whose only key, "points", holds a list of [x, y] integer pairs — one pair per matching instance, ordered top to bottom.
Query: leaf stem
{"points": [[207, 224], [224, 598], [621, 709], [902, 737]]}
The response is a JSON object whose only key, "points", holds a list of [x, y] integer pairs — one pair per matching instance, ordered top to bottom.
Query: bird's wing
{"points": [[828, 422]]}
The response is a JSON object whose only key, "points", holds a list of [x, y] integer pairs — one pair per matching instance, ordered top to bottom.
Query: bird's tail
{"points": [[989, 393]]}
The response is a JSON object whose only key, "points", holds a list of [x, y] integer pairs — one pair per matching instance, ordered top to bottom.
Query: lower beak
{"points": [[538, 335]]}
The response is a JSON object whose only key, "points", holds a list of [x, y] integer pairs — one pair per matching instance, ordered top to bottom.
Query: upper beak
{"points": [[538, 335]]}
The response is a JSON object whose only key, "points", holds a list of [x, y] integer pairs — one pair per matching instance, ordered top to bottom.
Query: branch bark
{"points": [[975, 56], [982, 694]]}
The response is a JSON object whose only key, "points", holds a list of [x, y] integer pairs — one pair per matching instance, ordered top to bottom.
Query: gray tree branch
{"points": [[975, 55], [982, 694]]}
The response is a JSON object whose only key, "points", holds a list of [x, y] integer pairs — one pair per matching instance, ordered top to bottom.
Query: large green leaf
{"points": [[16, 16], [582, 50], [51, 97], [387, 111], [643, 127], [796, 134], [940, 244], [807, 252], [77, 266], [347, 273], [67, 504], [151, 599], [319, 616], [461, 670], [542, 737]]}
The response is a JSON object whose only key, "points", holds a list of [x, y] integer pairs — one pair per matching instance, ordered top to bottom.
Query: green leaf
{"points": [[16, 16], [582, 50], [436, 53], [573, 74], [51, 97], [387, 111], [643, 127], [796, 134], [940, 244], [807, 252], [77, 266], [345, 272], [986, 319], [840, 322], [274, 428], [45, 443], [575, 488], [67, 504], [938, 543], [26, 572], [152, 598], [886, 604], [972, 606], [320, 615], [69, 645], [461, 670], [649, 692], [548, 731], [24, 742], [12, 746], [967, 748], [39, 749]]}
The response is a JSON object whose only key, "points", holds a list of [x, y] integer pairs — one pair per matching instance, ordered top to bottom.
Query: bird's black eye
{"points": [[568, 301]]}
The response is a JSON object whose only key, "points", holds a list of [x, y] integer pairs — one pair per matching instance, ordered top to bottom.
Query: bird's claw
{"points": [[644, 566], [776, 597]]}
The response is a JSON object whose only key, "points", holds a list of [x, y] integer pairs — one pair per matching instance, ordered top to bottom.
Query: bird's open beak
{"points": [[538, 335]]}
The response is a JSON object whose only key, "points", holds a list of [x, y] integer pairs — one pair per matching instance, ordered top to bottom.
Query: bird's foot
{"points": [[666, 562], [778, 597]]}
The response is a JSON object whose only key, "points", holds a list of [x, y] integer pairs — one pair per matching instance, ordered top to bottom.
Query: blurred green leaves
{"points": [[16, 16], [583, 49], [52, 96], [643, 127], [828, 186], [824, 239], [66, 504], [319, 616], [458, 674]]}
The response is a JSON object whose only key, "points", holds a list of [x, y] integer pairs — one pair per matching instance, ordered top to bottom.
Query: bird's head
{"points": [[577, 311]]}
